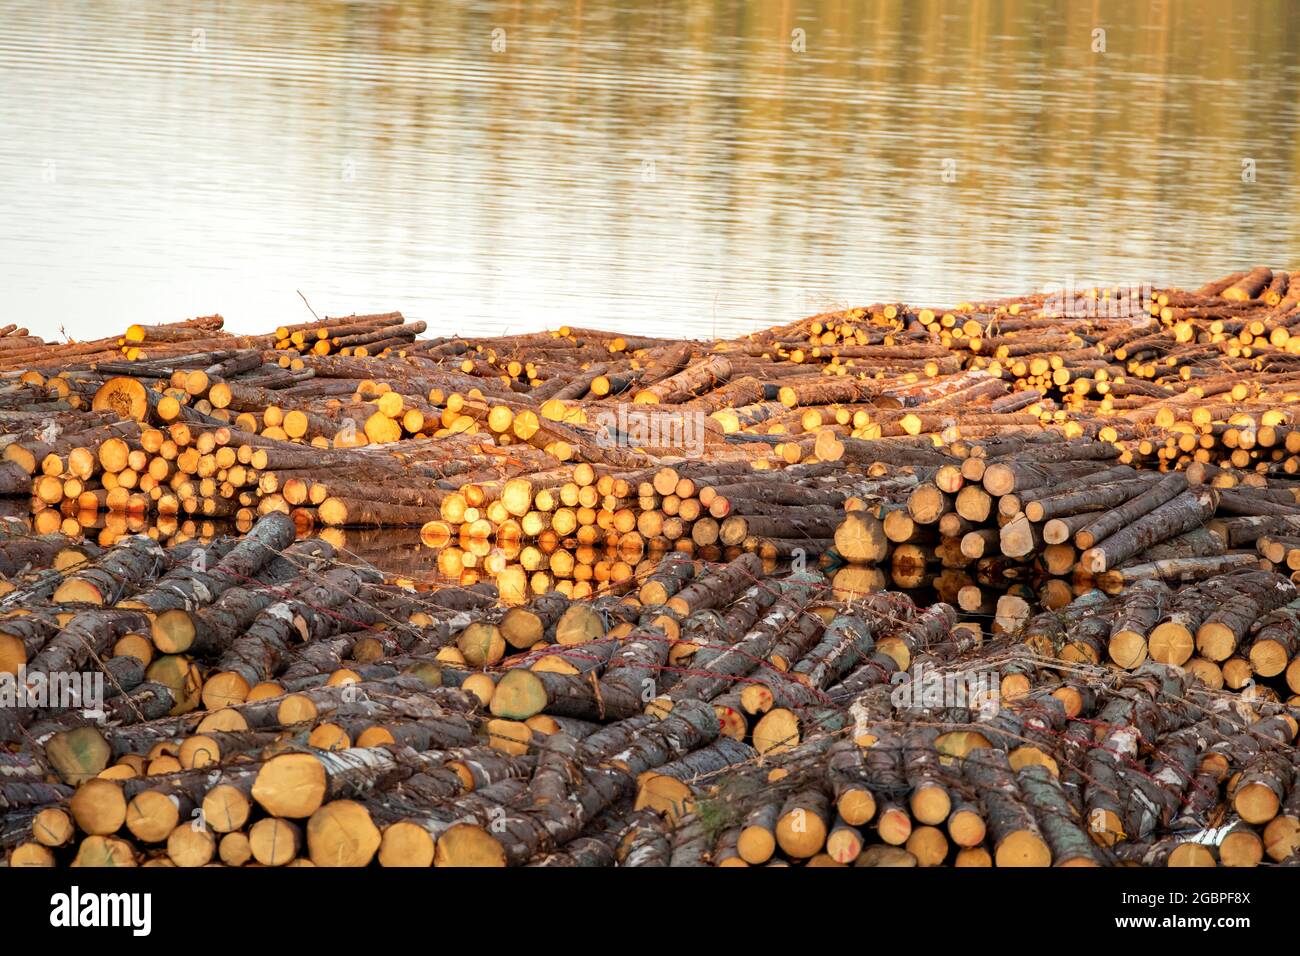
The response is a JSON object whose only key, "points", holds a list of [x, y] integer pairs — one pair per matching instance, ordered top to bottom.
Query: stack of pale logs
{"points": [[359, 335], [1170, 392], [507, 432], [498, 440], [1086, 513], [1016, 525], [267, 702]]}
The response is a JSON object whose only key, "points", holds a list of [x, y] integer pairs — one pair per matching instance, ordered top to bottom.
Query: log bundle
{"points": [[1195, 379], [1000, 533], [1012, 583], [266, 702]]}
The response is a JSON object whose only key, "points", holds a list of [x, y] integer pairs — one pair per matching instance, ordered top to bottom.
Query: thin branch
{"points": [[307, 304]]}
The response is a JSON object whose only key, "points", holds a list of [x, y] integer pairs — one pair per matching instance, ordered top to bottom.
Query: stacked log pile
{"points": [[359, 335], [1172, 396], [1002, 532], [1012, 583], [266, 702]]}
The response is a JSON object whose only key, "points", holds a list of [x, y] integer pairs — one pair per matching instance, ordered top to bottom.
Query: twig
{"points": [[307, 304]]}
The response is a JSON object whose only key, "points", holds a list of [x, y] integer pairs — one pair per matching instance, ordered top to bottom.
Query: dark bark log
{"points": [[1135, 508], [1174, 517], [117, 573], [1143, 606], [1227, 624], [1017, 839], [1068, 841]]}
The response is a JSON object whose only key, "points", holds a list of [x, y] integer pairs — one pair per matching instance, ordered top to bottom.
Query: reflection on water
{"points": [[686, 166], [520, 568]]}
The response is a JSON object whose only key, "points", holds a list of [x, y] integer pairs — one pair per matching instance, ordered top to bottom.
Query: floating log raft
{"points": [[1012, 584], [303, 711]]}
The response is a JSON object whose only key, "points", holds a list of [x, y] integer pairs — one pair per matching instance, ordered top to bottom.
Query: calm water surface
{"points": [[695, 168]]}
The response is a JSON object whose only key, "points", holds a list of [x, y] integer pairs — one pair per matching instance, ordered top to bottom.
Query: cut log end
{"points": [[126, 397], [861, 538], [519, 694], [290, 785], [341, 834], [406, 844], [467, 844], [1023, 848]]}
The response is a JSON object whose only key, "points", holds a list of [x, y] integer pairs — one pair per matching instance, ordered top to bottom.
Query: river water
{"points": [[663, 166]]}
